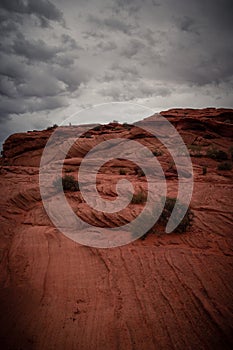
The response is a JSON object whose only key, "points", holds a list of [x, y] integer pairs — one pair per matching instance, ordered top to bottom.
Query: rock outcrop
{"points": [[165, 292]]}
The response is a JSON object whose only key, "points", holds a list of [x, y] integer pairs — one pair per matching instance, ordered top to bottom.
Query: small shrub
{"points": [[127, 126], [52, 127], [97, 128], [88, 135], [195, 150], [157, 153], [216, 154], [171, 166], [225, 166], [68, 170], [204, 170], [122, 172], [139, 172], [68, 183], [139, 198], [167, 210], [166, 213]]}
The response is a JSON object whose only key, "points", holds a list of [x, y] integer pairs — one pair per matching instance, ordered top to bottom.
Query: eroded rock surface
{"points": [[165, 292]]}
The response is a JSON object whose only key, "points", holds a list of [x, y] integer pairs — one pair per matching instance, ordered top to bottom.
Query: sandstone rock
{"points": [[165, 292]]}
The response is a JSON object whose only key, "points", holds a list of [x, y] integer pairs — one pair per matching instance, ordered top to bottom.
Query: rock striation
{"points": [[165, 292]]}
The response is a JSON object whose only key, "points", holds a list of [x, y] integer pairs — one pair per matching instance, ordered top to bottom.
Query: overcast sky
{"points": [[60, 56]]}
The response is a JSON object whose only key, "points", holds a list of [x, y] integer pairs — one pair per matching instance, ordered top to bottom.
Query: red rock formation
{"points": [[211, 119], [166, 292]]}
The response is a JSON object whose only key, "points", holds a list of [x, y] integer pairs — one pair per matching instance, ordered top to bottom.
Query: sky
{"points": [[59, 57]]}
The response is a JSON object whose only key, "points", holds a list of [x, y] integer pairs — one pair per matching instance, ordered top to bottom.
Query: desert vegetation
{"points": [[127, 126], [52, 127], [97, 128], [87, 135], [195, 150], [156, 152], [216, 154], [225, 166], [68, 170], [204, 170], [122, 171], [139, 172], [67, 182], [139, 198], [168, 208], [182, 227], [174, 268]]}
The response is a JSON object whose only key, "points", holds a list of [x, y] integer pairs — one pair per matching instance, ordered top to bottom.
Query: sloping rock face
{"points": [[211, 119], [165, 292]]}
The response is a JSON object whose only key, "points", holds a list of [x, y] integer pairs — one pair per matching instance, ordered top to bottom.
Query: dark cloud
{"points": [[155, 3], [131, 6], [43, 9], [217, 13], [111, 23], [8, 24], [187, 24], [93, 34], [151, 37], [68, 40], [106, 46], [132, 48], [35, 50], [38, 50], [154, 51], [64, 61], [12, 67], [125, 69], [119, 72], [35, 75], [71, 77], [24, 84], [7, 86], [126, 91], [20, 106]]}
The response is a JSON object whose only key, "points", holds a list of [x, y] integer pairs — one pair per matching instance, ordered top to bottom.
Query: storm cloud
{"points": [[43, 9], [56, 57]]}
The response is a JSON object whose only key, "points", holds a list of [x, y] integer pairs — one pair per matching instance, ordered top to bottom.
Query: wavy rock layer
{"points": [[165, 292]]}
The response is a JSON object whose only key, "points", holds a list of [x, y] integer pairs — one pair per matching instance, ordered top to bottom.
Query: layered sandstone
{"points": [[165, 292]]}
